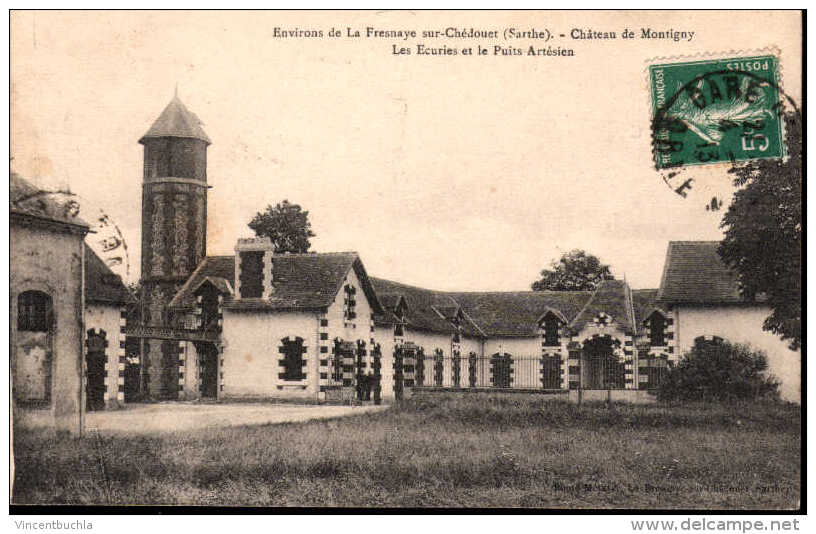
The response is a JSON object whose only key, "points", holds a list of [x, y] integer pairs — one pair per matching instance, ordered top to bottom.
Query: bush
{"points": [[718, 370]]}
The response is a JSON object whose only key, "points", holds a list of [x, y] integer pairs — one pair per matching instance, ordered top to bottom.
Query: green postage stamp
{"points": [[716, 110]]}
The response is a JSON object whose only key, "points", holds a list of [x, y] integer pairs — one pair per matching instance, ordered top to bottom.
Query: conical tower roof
{"points": [[177, 121]]}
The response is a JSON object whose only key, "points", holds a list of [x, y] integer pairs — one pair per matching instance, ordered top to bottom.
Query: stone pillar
{"points": [[671, 340], [642, 353], [182, 354], [629, 363], [575, 365], [120, 376], [324, 378], [376, 388]]}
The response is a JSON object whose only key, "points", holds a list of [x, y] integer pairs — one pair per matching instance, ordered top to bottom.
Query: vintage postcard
{"points": [[426, 260]]}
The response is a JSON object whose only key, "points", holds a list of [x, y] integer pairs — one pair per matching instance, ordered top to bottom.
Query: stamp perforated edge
{"points": [[712, 56]]}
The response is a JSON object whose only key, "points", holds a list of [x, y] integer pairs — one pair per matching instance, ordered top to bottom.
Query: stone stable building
{"points": [[66, 311], [282, 322], [258, 324]]}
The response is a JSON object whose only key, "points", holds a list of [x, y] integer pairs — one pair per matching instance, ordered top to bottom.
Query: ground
{"points": [[143, 419], [441, 451]]}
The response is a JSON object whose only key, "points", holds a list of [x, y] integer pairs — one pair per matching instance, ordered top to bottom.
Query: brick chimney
{"points": [[254, 268]]}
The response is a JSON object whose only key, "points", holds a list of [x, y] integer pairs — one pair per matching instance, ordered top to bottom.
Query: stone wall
{"points": [[51, 262], [109, 318], [251, 356]]}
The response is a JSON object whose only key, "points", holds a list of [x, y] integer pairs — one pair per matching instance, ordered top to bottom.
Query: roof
{"points": [[177, 121], [27, 199], [220, 270], [695, 274], [301, 281], [101, 284], [222, 285], [612, 298], [419, 303], [486, 313], [516, 313]]}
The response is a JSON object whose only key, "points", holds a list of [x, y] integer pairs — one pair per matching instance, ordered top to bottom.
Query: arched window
{"points": [[33, 311], [657, 328], [550, 330], [292, 361]]}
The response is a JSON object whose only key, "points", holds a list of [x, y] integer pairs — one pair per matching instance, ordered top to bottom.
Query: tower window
{"points": [[33, 311]]}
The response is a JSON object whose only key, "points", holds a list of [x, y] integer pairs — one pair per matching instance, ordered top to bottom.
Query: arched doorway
{"points": [[603, 369], [95, 370]]}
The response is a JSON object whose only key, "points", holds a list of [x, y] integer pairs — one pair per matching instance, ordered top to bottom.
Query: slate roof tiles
{"points": [[177, 121], [695, 274], [301, 281], [102, 286]]}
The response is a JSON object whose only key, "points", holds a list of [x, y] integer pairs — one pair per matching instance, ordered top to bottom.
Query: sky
{"points": [[452, 173]]}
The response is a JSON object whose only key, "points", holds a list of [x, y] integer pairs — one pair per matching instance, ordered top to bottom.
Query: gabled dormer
{"points": [[209, 295], [551, 325]]}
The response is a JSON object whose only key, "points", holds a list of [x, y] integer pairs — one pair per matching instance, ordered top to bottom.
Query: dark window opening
{"points": [[251, 274], [350, 302], [209, 308], [33, 311], [657, 326], [398, 330], [550, 331], [292, 361]]}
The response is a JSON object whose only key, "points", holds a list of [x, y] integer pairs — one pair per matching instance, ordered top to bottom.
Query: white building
{"points": [[314, 326]]}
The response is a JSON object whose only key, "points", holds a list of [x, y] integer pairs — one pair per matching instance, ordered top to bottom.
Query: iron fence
{"points": [[359, 371], [502, 371], [652, 371], [549, 372]]}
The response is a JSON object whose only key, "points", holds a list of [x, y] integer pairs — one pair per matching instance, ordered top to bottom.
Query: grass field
{"points": [[438, 451]]}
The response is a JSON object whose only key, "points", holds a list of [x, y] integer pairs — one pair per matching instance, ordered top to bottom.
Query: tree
{"points": [[286, 224], [763, 235], [575, 271], [718, 370]]}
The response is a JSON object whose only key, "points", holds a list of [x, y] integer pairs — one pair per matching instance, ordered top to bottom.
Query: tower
{"points": [[174, 229]]}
